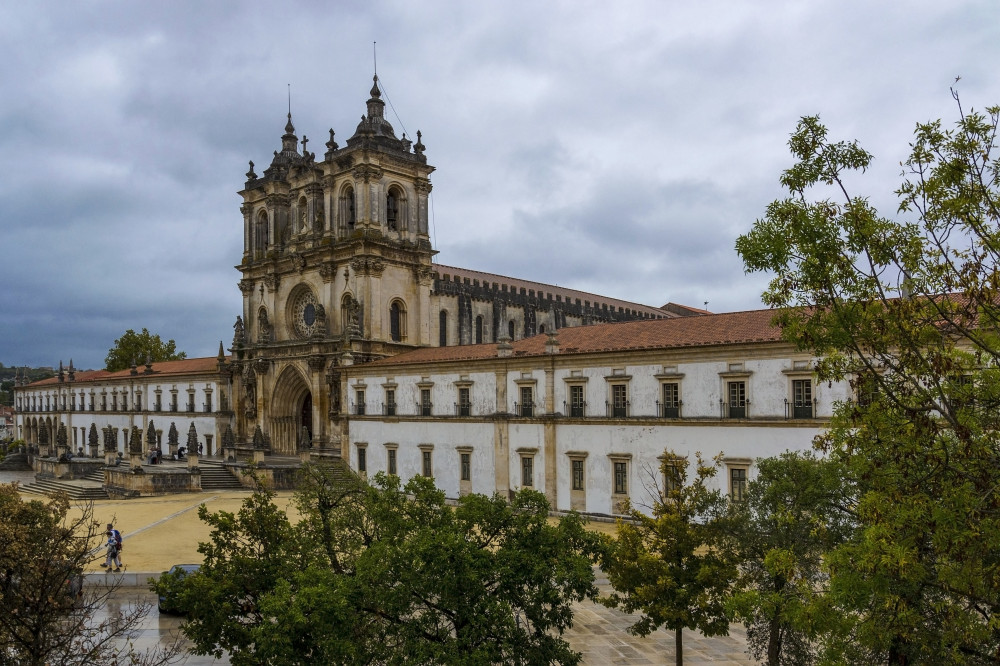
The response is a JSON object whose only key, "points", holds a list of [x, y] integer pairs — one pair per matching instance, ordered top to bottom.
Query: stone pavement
{"points": [[162, 531]]}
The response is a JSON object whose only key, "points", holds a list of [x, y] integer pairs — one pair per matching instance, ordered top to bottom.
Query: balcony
{"points": [[388, 408], [526, 409], [575, 409], [736, 409], [618, 410], [669, 410], [799, 410]]}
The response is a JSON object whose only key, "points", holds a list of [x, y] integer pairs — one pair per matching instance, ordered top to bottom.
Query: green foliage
{"points": [[908, 312], [135, 348], [795, 511], [669, 566], [389, 574], [46, 615]]}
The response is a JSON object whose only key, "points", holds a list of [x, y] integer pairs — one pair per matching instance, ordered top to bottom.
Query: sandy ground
{"points": [[159, 532]]}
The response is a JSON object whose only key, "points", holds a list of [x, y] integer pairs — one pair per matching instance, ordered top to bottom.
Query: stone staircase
{"points": [[215, 476], [89, 487]]}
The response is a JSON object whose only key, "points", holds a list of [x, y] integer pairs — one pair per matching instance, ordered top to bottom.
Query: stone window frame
{"points": [[400, 320], [801, 370], [735, 372], [670, 375], [575, 378], [618, 378], [526, 380], [463, 383], [360, 389], [389, 406], [425, 408], [361, 456], [526, 457], [392, 458], [426, 460], [676, 461], [734, 464], [464, 469], [620, 494], [578, 496]]}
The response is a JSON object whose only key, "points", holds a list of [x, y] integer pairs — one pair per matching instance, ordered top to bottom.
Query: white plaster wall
{"points": [[444, 435], [646, 442]]}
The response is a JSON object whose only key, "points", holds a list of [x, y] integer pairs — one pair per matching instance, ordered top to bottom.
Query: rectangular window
{"points": [[737, 396], [802, 399], [671, 400], [619, 401], [114, 402], [124, 402], [173, 402], [208, 402], [359, 402], [390, 402], [425, 402], [104, 403], [576, 403], [190, 404], [464, 404], [527, 407], [362, 459], [466, 460], [391, 462], [527, 469], [428, 470], [577, 474], [621, 477], [671, 478], [737, 483]]}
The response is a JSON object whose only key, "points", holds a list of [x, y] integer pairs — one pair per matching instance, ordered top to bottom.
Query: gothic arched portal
{"points": [[291, 409]]}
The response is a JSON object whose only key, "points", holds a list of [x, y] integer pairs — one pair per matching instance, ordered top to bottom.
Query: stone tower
{"points": [[336, 269]]}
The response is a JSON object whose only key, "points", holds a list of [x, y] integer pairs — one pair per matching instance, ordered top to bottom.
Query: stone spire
{"points": [[289, 142]]}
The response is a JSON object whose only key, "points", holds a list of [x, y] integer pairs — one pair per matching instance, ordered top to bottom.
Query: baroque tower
{"points": [[336, 270]]}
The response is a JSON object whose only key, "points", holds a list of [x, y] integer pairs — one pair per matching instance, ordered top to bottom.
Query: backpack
{"points": [[118, 539]]}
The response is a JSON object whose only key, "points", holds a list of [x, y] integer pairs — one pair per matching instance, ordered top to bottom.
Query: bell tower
{"points": [[336, 269]]}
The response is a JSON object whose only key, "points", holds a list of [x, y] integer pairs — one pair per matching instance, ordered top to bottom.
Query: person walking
{"points": [[114, 549]]}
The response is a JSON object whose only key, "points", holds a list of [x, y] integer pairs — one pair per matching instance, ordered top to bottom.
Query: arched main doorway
{"points": [[292, 409]]}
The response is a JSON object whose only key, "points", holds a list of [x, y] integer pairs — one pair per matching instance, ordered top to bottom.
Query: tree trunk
{"points": [[774, 642], [679, 646]]}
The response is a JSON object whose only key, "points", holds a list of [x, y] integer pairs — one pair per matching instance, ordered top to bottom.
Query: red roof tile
{"points": [[700, 331], [161, 369]]}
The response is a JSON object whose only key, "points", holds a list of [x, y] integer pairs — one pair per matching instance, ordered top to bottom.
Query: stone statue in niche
{"points": [[263, 327], [239, 333], [249, 391]]}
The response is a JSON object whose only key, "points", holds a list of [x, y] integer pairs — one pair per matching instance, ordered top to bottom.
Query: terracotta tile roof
{"points": [[567, 294], [707, 330], [161, 369]]}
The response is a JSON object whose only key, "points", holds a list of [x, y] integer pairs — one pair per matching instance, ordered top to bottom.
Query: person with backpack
{"points": [[114, 549]]}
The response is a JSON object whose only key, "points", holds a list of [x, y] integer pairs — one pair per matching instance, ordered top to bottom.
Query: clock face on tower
{"points": [[303, 314]]}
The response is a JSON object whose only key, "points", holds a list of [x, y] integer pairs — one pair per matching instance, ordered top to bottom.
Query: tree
{"points": [[908, 312], [136, 348], [795, 511], [667, 566], [386, 574], [46, 615]]}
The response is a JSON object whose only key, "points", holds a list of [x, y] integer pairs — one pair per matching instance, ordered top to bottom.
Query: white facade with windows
{"points": [[586, 415]]}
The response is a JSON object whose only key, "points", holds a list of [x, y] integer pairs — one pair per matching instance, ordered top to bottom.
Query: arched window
{"points": [[349, 207], [392, 209], [260, 233], [397, 321], [443, 329], [510, 329], [541, 329], [479, 330]]}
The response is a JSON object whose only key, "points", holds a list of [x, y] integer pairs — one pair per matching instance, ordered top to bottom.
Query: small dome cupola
{"points": [[289, 142]]}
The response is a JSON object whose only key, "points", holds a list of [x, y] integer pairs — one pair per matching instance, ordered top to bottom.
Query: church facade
{"points": [[338, 270], [353, 343]]}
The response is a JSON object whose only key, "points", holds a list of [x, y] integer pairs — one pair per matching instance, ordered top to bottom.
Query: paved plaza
{"points": [[161, 531]]}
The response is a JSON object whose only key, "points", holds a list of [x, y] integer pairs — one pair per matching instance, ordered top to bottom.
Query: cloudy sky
{"points": [[618, 148]]}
